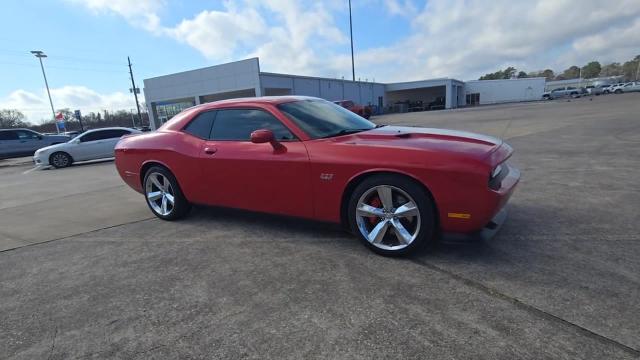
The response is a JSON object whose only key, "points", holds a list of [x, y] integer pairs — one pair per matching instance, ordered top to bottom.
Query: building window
{"points": [[473, 99], [165, 111]]}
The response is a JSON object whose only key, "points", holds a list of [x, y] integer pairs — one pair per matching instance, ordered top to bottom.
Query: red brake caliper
{"points": [[375, 202]]}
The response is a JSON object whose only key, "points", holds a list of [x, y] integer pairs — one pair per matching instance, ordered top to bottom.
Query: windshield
{"points": [[321, 119]]}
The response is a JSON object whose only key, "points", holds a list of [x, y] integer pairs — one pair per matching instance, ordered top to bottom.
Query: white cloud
{"points": [[402, 8], [142, 13], [219, 34], [453, 38], [465, 39], [293, 42], [614, 44], [36, 106]]}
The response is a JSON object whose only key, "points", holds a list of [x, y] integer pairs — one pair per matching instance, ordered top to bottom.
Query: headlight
{"points": [[496, 171]]}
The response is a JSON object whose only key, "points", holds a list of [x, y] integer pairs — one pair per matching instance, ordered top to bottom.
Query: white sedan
{"points": [[90, 145]]}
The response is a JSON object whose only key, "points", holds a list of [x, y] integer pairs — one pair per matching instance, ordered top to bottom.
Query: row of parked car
{"points": [[571, 91], [61, 150]]}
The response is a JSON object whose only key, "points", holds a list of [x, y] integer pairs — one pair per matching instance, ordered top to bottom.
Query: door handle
{"points": [[210, 150]]}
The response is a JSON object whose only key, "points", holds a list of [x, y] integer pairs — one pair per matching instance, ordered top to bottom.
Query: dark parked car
{"points": [[437, 104], [364, 111], [24, 142]]}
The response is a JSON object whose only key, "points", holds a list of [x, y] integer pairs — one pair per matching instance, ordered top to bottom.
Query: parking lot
{"points": [[86, 271]]}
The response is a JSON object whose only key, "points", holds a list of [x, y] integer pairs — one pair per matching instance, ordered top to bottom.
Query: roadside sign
{"points": [[77, 114]]}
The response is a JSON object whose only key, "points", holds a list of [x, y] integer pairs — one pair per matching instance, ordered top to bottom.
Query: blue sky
{"points": [[88, 41]]}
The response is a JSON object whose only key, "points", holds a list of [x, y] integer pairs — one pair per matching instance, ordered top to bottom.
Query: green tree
{"points": [[613, 69], [630, 69], [591, 70], [572, 72], [500, 74], [548, 74], [522, 75], [11, 118]]}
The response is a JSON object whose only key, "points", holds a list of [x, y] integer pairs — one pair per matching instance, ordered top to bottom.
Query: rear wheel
{"points": [[618, 91], [60, 160], [163, 194], [392, 215]]}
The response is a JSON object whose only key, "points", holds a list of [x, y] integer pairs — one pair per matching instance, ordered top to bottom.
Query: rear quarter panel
{"points": [[177, 151]]}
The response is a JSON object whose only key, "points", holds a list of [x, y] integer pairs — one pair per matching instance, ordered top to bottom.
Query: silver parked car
{"points": [[628, 87], [568, 91], [24, 142], [90, 145]]}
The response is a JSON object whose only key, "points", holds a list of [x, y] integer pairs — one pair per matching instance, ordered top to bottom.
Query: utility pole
{"points": [[39, 54], [353, 68], [638, 69], [135, 90]]}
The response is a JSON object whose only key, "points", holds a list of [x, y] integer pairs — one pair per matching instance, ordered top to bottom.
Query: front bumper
{"points": [[39, 160], [481, 210], [486, 233]]}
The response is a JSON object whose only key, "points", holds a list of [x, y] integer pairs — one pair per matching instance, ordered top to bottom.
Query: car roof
{"points": [[248, 101], [111, 128]]}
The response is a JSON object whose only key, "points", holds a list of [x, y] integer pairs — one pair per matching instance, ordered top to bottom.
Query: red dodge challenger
{"points": [[397, 188]]}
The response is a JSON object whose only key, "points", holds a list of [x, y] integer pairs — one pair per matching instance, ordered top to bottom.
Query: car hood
{"points": [[58, 137], [426, 139], [51, 148]]}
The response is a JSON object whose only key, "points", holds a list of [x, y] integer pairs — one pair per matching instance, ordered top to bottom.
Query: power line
{"points": [[67, 68]]}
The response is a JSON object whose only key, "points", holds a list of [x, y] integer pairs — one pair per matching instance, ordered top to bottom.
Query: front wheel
{"points": [[60, 160], [163, 194], [392, 215]]}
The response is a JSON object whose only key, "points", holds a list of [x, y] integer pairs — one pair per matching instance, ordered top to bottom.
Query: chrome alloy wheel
{"points": [[160, 194], [388, 217]]}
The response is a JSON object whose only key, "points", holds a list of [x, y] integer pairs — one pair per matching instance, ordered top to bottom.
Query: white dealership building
{"points": [[169, 94]]}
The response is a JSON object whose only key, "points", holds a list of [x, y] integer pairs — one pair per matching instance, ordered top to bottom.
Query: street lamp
{"points": [[39, 54]]}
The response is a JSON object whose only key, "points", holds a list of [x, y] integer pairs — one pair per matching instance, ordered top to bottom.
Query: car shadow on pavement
{"points": [[269, 223], [510, 241]]}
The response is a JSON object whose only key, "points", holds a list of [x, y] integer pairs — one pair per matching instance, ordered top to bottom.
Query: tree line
{"points": [[628, 70], [11, 118]]}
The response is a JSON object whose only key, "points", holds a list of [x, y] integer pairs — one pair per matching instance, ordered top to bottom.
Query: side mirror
{"points": [[262, 136], [40, 137]]}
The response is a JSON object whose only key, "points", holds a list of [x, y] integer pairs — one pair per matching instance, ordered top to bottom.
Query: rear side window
{"points": [[238, 124], [201, 125], [116, 133], [8, 135], [93, 136]]}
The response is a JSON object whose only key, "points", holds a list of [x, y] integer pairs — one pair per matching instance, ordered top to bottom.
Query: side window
{"points": [[238, 124], [200, 126], [116, 133], [8, 135], [26, 135], [93, 136]]}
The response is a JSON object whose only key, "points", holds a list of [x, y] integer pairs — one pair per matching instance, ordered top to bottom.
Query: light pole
{"points": [[39, 54], [353, 68]]}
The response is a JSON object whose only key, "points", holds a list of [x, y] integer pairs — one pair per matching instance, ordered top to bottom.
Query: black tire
{"points": [[618, 91], [60, 160], [181, 205], [427, 220]]}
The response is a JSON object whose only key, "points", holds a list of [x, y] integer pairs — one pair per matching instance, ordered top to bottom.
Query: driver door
{"points": [[241, 174]]}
